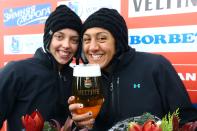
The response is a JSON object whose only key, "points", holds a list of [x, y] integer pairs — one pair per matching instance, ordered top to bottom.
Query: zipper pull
{"points": [[59, 74], [118, 81], [111, 87]]}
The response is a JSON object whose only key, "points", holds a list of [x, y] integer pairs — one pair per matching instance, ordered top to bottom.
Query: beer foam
{"points": [[87, 70]]}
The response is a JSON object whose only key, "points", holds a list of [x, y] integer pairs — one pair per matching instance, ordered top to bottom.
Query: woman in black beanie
{"points": [[134, 82], [42, 83]]}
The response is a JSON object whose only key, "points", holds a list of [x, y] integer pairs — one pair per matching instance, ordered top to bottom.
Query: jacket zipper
{"points": [[62, 77], [114, 88], [112, 94], [118, 96], [113, 108]]}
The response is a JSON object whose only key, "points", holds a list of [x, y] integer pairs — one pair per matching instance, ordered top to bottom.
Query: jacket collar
{"points": [[43, 57], [48, 60], [118, 63]]}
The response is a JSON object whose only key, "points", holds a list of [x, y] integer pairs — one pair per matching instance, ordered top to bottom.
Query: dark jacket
{"points": [[141, 82], [32, 84]]}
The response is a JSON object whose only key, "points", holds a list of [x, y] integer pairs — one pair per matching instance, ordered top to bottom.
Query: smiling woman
{"points": [[42, 82], [134, 82]]}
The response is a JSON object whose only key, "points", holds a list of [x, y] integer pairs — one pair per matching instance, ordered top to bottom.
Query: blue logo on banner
{"points": [[73, 5], [29, 15], [163, 38], [15, 45]]}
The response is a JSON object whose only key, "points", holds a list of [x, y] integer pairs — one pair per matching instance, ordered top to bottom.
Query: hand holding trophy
{"points": [[87, 88]]}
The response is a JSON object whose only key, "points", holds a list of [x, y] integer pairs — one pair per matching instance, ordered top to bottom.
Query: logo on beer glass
{"points": [[88, 82], [87, 88]]}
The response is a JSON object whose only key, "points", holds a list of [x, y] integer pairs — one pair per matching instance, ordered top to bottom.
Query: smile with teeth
{"points": [[63, 53], [96, 56]]}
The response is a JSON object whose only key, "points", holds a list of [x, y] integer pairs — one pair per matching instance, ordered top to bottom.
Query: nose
{"points": [[66, 43], [94, 46]]}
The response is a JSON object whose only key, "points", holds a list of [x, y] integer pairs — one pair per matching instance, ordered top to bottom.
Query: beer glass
{"points": [[87, 88]]}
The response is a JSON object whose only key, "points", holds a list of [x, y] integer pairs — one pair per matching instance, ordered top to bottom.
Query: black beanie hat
{"points": [[62, 17], [112, 21]]}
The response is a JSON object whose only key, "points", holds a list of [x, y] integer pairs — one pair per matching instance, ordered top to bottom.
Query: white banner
{"points": [[140, 8], [22, 44]]}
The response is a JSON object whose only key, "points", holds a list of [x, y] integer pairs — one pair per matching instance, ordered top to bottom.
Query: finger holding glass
{"points": [[82, 120]]}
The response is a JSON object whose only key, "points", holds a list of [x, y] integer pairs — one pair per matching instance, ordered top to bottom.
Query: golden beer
{"points": [[87, 88]]}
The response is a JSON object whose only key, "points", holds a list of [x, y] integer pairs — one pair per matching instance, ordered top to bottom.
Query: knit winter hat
{"points": [[62, 17], [112, 21]]}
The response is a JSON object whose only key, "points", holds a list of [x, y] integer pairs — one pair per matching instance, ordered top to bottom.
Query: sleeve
{"points": [[8, 83], [173, 92]]}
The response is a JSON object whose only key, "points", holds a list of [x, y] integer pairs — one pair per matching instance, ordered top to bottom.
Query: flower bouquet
{"points": [[148, 122], [137, 123]]}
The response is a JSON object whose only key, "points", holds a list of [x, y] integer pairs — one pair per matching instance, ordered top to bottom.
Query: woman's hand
{"points": [[81, 120]]}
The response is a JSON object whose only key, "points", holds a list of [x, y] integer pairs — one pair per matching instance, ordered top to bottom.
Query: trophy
{"points": [[87, 88]]}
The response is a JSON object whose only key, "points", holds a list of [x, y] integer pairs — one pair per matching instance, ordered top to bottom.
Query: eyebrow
{"points": [[59, 32], [98, 33], [75, 36]]}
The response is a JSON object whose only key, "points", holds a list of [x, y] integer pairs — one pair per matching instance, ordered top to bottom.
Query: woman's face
{"points": [[64, 45], [98, 46]]}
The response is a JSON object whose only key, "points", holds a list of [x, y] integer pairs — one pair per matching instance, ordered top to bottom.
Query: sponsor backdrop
{"points": [[167, 27]]}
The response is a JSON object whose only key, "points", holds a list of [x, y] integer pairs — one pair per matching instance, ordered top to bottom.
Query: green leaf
{"points": [[167, 121], [47, 127]]}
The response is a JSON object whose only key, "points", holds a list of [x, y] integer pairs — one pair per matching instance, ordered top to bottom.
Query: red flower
{"points": [[33, 122], [150, 125], [133, 126], [190, 126]]}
